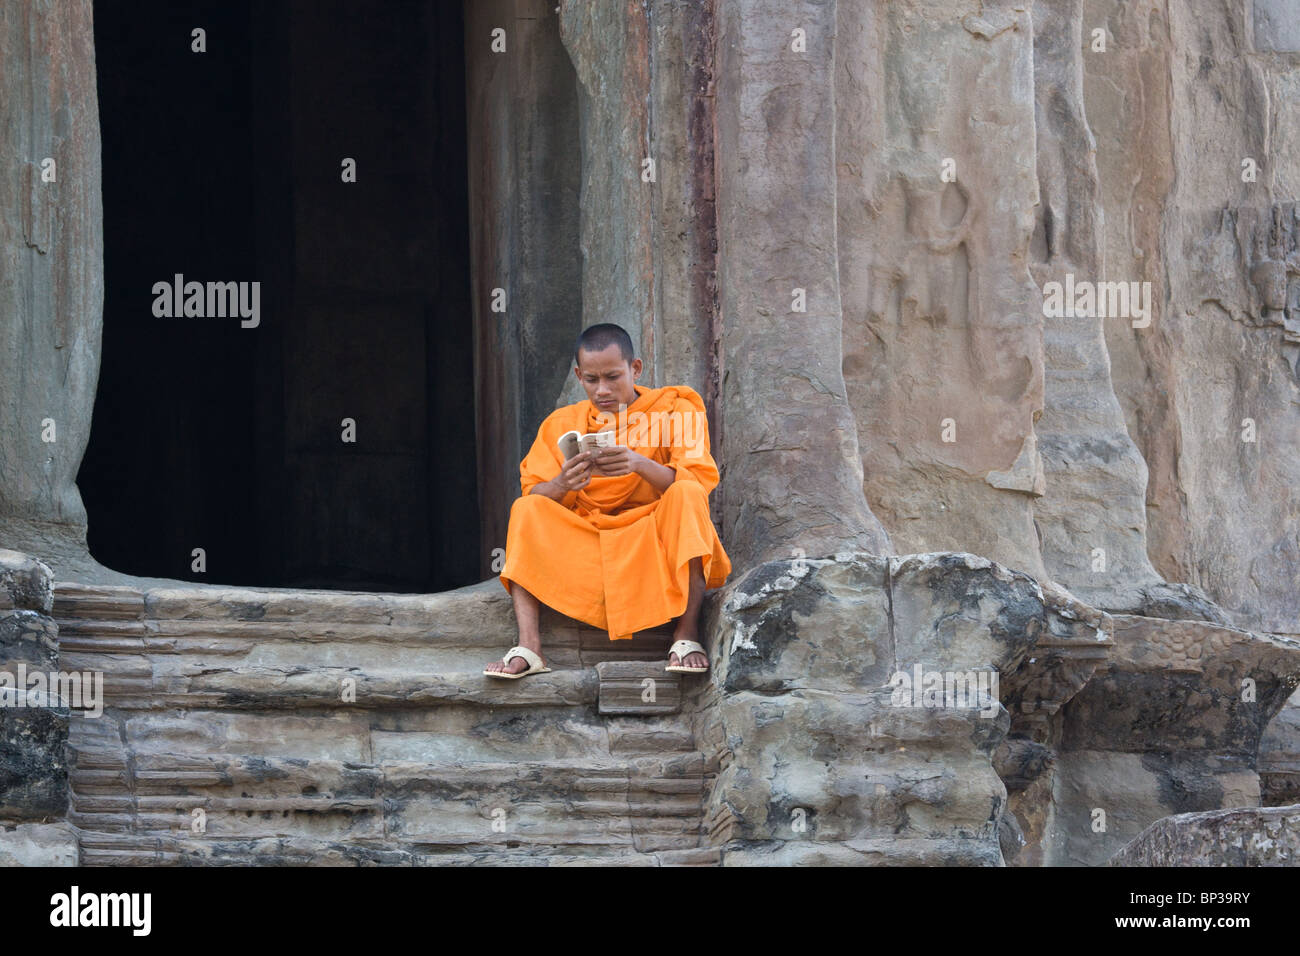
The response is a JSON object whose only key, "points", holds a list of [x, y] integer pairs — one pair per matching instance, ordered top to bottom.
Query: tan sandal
{"points": [[682, 649], [535, 665]]}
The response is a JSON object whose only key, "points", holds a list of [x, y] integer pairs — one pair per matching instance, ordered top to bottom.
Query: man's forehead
{"points": [[609, 361]]}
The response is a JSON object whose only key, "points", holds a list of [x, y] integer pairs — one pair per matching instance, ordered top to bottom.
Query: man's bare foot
{"points": [[693, 659], [517, 665]]}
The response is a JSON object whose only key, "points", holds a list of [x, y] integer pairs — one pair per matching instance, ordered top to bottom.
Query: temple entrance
{"points": [[319, 429]]}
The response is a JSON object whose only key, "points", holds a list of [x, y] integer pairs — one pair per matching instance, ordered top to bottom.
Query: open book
{"points": [[573, 443]]}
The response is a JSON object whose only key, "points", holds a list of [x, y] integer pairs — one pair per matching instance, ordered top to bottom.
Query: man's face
{"points": [[607, 378]]}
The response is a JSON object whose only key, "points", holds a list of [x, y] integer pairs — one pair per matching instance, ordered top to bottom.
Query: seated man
{"points": [[621, 538]]}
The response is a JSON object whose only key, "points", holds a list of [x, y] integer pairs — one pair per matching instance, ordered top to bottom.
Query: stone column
{"points": [[51, 273], [791, 472], [1092, 518]]}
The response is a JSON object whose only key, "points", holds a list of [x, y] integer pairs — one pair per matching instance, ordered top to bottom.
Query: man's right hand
{"points": [[576, 472]]}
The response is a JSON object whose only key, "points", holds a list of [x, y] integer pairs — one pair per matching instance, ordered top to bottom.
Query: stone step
{"points": [[461, 612], [456, 631], [637, 687], [298, 727], [642, 803], [133, 850]]}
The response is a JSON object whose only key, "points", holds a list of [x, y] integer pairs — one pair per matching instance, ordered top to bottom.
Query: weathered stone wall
{"points": [[1185, 94], [525, 163], [807, 258], [943, 351], [1171, 723], [33, 727], [823, 757], [1279, 757]]}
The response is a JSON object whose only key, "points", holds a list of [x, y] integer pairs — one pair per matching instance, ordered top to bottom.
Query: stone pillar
{"points": [[684, 215], [51, 261], [791, 472], [1092, 518]]}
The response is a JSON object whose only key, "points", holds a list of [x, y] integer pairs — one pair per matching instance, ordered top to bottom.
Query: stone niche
{"points": [[561, 113]]}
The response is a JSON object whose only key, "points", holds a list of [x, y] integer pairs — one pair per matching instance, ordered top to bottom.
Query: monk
{"points": [[621, 538]]}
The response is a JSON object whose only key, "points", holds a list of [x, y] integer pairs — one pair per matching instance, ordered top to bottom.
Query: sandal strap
{"points": [[683, 648], [531, 659]]}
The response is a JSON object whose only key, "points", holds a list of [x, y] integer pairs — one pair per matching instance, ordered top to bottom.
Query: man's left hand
{"points": [[616, 460]]}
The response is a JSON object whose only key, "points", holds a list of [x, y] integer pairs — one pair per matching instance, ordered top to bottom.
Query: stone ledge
{"points": [[286, 688], [1250, 836]]}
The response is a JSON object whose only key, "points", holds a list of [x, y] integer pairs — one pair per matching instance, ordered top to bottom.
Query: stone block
{"points": [[25, 582], [626, 685], [39, 844]]}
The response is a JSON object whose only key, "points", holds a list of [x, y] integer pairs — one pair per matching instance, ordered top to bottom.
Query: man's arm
{"points": [[621, 460], [574, 474], [661, 476], [550, 489]]}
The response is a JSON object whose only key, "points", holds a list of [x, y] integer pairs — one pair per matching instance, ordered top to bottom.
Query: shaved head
{"points": [[597, 338]]}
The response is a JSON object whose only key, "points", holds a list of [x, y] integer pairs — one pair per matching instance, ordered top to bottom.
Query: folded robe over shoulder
{"points": [[616, 554]]}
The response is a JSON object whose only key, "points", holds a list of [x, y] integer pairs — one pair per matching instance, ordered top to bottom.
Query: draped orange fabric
{"points": [[616, 554]]}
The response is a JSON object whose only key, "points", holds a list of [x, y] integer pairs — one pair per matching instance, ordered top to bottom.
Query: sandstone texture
{"points": [[1249, 837]]}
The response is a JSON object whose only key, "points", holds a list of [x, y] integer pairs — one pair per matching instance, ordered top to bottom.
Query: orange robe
{"points": [[616, 553]]}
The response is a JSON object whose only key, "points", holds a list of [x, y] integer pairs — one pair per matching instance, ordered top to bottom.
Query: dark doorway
{"points": [[227, 166]]}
